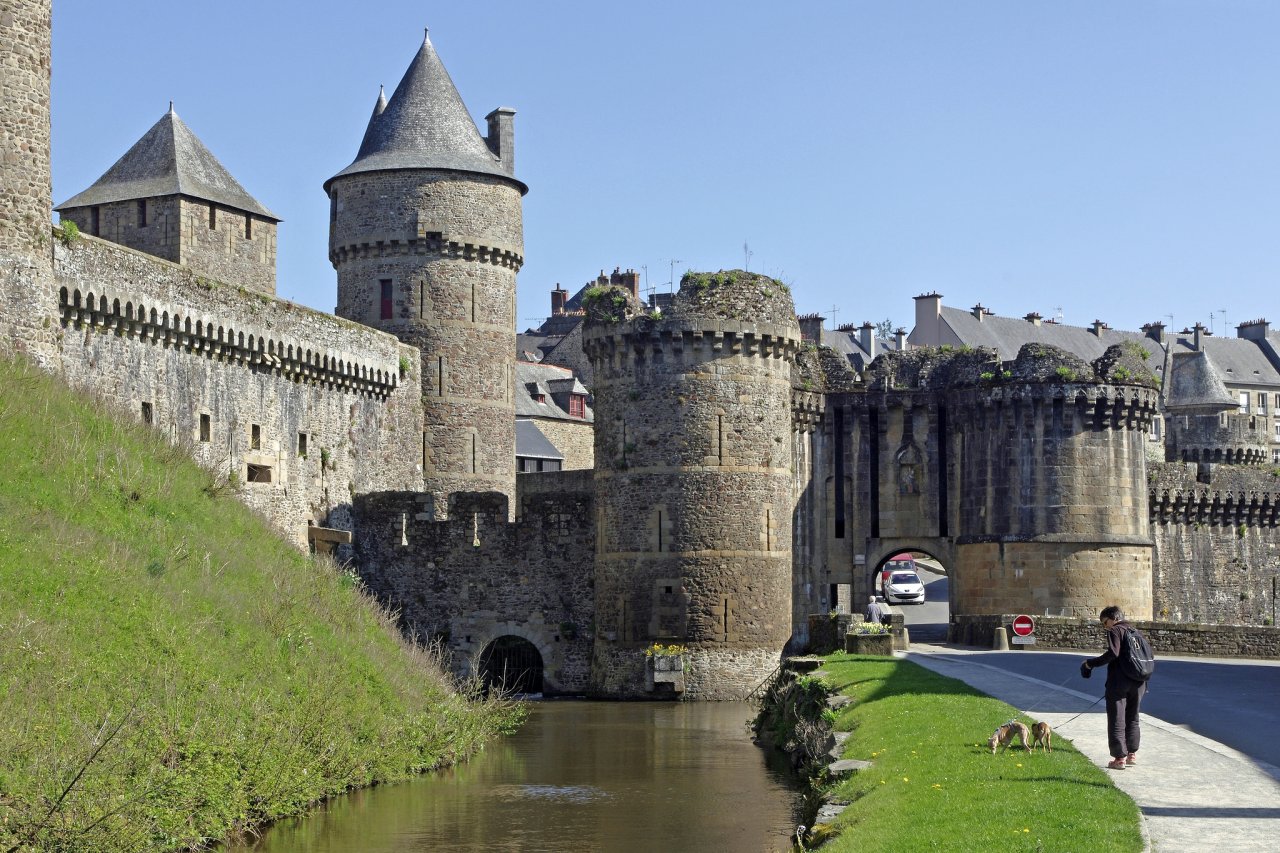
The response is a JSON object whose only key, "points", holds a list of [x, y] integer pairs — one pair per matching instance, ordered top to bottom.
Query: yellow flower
{"points": [[1019, 765], [905, 779], [881, 781], [1024, 829]]}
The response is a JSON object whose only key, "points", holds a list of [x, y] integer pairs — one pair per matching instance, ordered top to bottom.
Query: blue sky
{"points": [[1103, 160]]}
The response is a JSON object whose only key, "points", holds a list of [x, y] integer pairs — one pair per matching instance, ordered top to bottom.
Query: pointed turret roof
{"points": [[425, 125], [169, 160], [1196, 384]]}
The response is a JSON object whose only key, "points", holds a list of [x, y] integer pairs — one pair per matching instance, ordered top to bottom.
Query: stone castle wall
{"points": [[25, 178], [181, 230], [449, 246], [298, 409], [1228, 437], [694, 498], [1051, 498], [811, 531], [1217, 545], [475, 577], [1167, 638]]}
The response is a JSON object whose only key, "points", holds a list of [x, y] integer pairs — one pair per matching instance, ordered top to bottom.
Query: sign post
{"points": [[1024, 628]]}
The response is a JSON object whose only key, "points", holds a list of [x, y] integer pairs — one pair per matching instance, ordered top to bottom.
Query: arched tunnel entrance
{"points": [[926, 608], [512, 664]]}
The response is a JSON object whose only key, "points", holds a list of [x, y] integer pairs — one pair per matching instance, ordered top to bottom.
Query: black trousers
{"points": [[1123, 705]]}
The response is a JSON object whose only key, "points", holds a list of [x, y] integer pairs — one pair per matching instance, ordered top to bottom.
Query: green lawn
{"points": [[172, 672], [934, 784]]}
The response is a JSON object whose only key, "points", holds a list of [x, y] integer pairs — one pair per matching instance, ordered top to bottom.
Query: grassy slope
{"points": [[170, 671], [935, 785]]}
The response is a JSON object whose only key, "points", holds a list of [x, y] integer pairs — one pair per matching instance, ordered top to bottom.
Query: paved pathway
{"points": [[1193, 792]]}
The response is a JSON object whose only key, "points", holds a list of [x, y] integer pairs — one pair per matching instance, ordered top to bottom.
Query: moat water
{"points": [[579, 776]]}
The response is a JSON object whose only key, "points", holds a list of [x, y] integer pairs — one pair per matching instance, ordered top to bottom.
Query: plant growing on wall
{"points": [[70, 233]]}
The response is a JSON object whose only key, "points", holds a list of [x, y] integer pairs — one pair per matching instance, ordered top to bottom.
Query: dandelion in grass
{"points": [[1019, 764], [905, 779]]}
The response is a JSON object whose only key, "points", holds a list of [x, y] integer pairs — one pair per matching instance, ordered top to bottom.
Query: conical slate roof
{"points": [[425, 125], [169, 160], [1196, 384]]}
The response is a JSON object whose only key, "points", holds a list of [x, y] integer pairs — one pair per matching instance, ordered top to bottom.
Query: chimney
{"points": [[502, 137], [629, 279], [602, 280], [558, 298], [978, 311], [1033, 318], [811, 327], [928, 328], [1098, 328], [1253, 330], [1154, 331], [1198, 332], [900, 336], [867, 338]]}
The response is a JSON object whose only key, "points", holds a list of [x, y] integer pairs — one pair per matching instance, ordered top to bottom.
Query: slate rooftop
{"points": [[168, 160]]}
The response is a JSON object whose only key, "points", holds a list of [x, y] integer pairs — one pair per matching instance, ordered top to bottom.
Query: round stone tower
{"points": [[26, 193], [426, 235], [693, 486], [1051, 490]]}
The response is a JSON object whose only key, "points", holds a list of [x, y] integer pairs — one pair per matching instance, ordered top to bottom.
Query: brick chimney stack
{"points": [[629, 279], [558, 298]]}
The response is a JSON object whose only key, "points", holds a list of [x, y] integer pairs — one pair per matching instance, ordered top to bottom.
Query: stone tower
{"points": [[169, 196], [426, 235], [26, 266], [693, 483], [1050, 488]]}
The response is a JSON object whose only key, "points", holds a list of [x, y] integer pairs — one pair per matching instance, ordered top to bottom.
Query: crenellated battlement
{"points": [[433, 244], [169, 326], [620, 349], [1080, 406], [807, 410], [1215, 507]]}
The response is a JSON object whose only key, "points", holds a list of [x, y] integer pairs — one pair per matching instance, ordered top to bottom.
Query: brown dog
{"points": [[1042, 734], [1004, 735]]}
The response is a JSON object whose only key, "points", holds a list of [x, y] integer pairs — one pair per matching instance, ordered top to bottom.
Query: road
{"points": [[927, 623], [1231, 701]]}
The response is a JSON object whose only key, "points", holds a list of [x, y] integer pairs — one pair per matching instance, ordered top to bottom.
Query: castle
{"points": [[743, 478]]}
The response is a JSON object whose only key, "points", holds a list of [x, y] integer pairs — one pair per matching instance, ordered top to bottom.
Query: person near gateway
{"points": [[876, 611], [1123, 693]]}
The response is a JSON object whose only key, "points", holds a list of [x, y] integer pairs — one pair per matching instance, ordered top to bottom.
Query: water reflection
{"points": [[580, 776]]}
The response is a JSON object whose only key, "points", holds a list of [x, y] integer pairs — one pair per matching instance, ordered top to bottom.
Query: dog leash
{"points": [[1063, 684], [1082, 713]]}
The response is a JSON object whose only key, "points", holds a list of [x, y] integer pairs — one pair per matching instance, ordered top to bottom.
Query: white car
{"points": [[904, 588]]}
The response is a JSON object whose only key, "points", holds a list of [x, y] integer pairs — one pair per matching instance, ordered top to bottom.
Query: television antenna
{"points": [[746, 256], [671, 282]]}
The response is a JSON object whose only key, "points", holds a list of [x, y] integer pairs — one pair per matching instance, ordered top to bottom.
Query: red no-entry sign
{"points": [[1023, 626]]}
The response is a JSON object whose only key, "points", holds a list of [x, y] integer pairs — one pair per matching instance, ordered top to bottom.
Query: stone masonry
{"points": [[25, 176], [297, 410], [739, 480], [693, 481]]}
